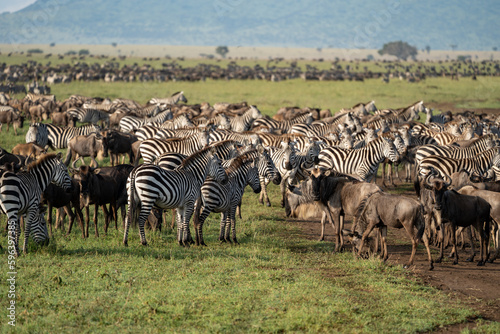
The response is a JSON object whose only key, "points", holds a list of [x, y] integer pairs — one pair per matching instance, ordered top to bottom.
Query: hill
{"points": [[355, 24]]}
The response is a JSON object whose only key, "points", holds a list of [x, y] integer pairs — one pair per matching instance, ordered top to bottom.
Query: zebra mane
{"points": [[174, 94], [359, 104], [302, 114], [226, 142], [195, 156], [42, 160], [238, 162]]}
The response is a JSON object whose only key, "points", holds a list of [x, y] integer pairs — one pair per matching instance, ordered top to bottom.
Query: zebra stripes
{"points": [[174, 99], [85, 115], [244, 122], [131, 123], [284, 126], [38, 134], [55, 136], [475, 147], [150, 149], [361, 163], [446, 166], [149, 185], [20, 194], [225, 198]]}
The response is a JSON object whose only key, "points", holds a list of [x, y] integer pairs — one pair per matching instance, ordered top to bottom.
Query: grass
{"points": [[274, 281]]}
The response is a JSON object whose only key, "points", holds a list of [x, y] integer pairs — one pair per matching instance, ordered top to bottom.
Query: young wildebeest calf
{"points": [[85, 146], [29, 149], [381, 210]]}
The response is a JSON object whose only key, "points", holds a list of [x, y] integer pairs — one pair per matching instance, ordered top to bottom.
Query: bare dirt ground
{"points": [[476, 287]]}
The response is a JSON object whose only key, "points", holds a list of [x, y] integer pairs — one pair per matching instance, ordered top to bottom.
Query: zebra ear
{"points": [[260, 149], [213, 150], [59, 156], [327, 173]]}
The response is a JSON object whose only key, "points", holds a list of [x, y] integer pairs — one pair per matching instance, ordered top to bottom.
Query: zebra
{"points": [[33, 97], [174, 99], [107, 107], [86, 115], [402, 115], [441, 118], [179, 122], [244, 122], [131, 123], [284, 126], [321, 129], [146, 132], [178, 133], [55, 136], [245, 138], [446, 138], [151, 148], [473, 148], [284, 158], [361, 163], [446, 166], [149, 185], [20, 194], [226, 198]]}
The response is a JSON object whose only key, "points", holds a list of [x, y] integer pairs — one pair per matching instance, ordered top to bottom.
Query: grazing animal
{"points": [[174, 99], [9, 116], [118, 143], [86, 146], [29, 149], [151, 185], [20, 194], [226, 198], [381, 210]]}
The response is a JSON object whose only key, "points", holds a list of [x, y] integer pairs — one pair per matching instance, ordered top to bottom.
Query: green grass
{"points": [[274, 281]]}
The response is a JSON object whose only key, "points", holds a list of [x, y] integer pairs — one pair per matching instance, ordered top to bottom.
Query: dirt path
{"points": [[477, 287]]}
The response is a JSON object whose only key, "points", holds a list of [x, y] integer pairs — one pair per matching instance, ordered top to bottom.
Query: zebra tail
{"points": [[68, 157]]}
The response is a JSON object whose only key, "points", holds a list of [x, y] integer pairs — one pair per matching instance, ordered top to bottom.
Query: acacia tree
{"points": [[400, 49], [222, 50]]}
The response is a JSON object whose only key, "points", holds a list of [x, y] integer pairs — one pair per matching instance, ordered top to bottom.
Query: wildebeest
{"points": [[38, 113], [8, 116], [62, 119], [117, 143], [86, 146], [29, 149], [463, 178], [101, 186], [57, 197], [336, 197], [493, 198], [457, 209], [381, 210]]}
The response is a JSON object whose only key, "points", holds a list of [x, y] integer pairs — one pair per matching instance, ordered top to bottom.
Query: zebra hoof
{"points": [[268, 204], [125, 243], [455, 262], [480, 264], [431, 267]]}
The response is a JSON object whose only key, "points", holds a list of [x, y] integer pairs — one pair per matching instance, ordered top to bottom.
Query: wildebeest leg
{"points": [[67, 210], [326, 213], [174, 214], [79, 215], [107, 217], [95, 219], [87, 221], [369, 228], [495, 233], [340, 236], [440, 237], [425, 239], [383, 242], [454, 242], [414, 243]]}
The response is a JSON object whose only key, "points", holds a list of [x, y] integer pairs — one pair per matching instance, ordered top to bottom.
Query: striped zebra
{"points": [[33, 97], [174, 99], [107, 107], [86, 115], [402, 115], [441, 118], [220, 121], [179, 122], [244, 122], [132, 123], [284, 126], [321, 129], [146, 132], [178, 133], [57, 137], [245, 138], [446, 138], [150, 149], [470, 150], [283, 158], [361, 163], [479, 164], [149, 185], [20, 194], [225, 198]]}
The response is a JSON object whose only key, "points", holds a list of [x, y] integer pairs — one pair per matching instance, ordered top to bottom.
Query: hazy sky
{"points": [[13, 5]]}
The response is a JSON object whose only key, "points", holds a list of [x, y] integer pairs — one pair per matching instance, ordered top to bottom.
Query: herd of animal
{"points": [[197, 159]]}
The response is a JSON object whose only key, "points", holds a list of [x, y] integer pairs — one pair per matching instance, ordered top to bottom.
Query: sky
{"points": [[14, 5]]}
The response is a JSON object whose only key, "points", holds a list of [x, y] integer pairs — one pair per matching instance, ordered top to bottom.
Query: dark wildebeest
{"points": [[9, 116], [117, 143], [85, 146], [29, 150], [101, 186], [56, 197], [336, 197], [493, 198], [457, 209], [381, 210]]}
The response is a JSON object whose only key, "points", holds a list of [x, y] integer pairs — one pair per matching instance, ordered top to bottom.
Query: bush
{"points": [[400, 49], [35, 51], [83, 52], [71, 53]]}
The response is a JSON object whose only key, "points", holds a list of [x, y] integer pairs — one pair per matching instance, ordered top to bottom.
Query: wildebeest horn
{"points": [[447, 180]]}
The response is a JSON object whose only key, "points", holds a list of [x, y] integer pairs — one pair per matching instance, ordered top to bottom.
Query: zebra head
{"points": [[181, 97], [255, 112], [389, 150], [312, 153], [266, 166], [216, 171], [60, 175], [253, 177], [39, 231]]}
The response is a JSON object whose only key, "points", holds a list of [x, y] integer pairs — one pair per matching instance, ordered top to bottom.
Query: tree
{"points": [[400, 49], [428, 49], [222, 50]]}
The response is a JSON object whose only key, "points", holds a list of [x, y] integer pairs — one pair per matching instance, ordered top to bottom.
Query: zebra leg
{"points": [[283, 190], [238, 210], [187, 212], [232, 217], [49, 219], [223, 221], [199, 226], [27, 229], [13, 231]]}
